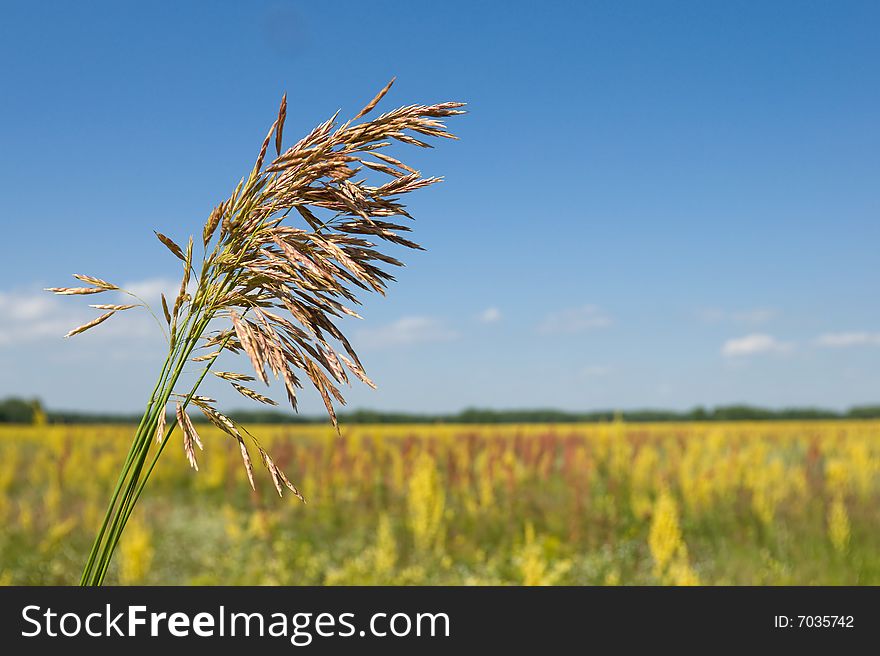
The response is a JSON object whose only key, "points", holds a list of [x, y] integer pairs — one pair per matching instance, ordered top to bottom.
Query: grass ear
{"points": [[259, 267]]}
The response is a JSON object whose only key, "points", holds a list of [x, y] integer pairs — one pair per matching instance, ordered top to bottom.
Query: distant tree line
{"points": [[18, 411], [24, 411]]}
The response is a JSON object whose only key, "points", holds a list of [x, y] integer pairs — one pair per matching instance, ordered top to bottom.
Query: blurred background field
{"points": [[603, 503]]}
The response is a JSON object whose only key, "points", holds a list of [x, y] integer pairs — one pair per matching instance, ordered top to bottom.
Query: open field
{"points": [[614, 503]]}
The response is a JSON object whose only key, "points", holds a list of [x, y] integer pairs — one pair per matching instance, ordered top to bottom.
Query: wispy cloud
{"points": [[22, 307], [32, 315], [489, 315], [754, 316], [30, 318], [574, 320], [406, 331], [846, 339], [754, 344]]}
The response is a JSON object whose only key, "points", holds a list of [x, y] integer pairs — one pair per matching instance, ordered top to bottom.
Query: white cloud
{"points": [[20, 307], [33, 315], [489, 315], [30, 316], [754, 316], [574, 320], [405, 332], [842, 340], [754, 344]]}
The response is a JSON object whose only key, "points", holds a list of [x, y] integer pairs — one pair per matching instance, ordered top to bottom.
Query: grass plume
{"points": [[283, 257]]}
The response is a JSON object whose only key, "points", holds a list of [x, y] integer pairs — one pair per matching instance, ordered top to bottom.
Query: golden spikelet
{"points": [[375, 101], [279, 130], [212, 223], [174, 248], [97, 282], [68, 291], [116, 308], [165, 310], [90, 324], [246, 339], [206, 356], [357, 371], [230, 375], [251, 394], [160, 426], [228, 426], [190, 436], [248, 465], [278, 477]]}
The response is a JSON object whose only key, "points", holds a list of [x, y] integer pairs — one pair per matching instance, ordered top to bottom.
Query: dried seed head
{"points": [[375, 101], [279, 130], [394, 162], [212, 223], [174, 248], [295, 280], [95, 281], [68, 291], [117, 308], [165, 310], [90, 324], [247, 339], [206, 356], [357, 371], [230, 375], [251, 394], [225, 424], [160, 426], [189, 436], [248, 465], [278, 478]]}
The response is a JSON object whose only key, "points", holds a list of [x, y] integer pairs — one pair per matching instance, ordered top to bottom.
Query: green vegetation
{"points": [[19, 411], [741, 503]]}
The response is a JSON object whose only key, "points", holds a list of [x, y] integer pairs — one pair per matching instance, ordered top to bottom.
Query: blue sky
{"points": [[652, 203]]}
